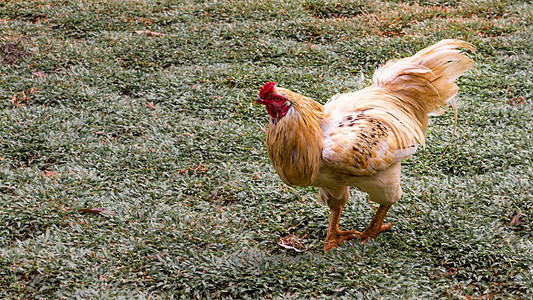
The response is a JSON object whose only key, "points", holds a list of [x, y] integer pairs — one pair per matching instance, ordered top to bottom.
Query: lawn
{"points": [[132, 161]]}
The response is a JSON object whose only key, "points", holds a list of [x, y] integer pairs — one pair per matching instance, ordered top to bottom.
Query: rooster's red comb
{"points": [[267, 89]]}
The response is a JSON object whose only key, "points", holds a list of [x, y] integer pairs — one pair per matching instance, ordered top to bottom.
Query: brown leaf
{"points": [[149, 33], [11, 53], [39, 74], [20, 98], [518, 101], [150, 105], [202, 168], [49, 174], [96, 211], [517, 219], [292, 242]]}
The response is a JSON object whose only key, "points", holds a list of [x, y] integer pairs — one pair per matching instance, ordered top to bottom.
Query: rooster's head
{"points": [[277, 105]]}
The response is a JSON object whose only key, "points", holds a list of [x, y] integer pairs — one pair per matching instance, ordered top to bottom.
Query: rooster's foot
{"points": [[372, 232], [339, 237]]}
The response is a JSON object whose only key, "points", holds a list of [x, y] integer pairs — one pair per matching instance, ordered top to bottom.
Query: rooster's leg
{"points": [[336, 199], [376, 225], [335, 236]]}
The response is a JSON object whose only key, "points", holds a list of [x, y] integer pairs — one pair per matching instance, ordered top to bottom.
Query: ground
{"points": [[132, 162]]}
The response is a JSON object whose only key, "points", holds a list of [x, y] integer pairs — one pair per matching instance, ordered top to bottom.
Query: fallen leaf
{"points": [[149, 33], [11, 53], [39, 74], [22, 97], [518, 101], [150, 105], [99, 132], [198, 168], [49, 174], [96, 211], [517, 219], [292, 242]]}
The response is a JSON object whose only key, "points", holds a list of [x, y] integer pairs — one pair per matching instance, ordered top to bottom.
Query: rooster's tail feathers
{"points": [[426, 80]]}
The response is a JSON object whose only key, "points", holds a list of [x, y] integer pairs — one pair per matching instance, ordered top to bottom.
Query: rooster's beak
{"points": [[258, 101]]}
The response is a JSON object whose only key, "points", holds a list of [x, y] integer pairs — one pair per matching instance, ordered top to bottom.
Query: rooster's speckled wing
{"points": [[360, 140]]}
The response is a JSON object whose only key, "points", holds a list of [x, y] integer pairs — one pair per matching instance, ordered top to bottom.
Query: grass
{"points": [[133, 165]]}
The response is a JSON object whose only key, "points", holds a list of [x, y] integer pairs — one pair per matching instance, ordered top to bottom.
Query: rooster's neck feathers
{"points": [[294, 141]]}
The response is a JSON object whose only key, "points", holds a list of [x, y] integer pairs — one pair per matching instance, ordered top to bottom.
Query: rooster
{"points": [[359, 139]]}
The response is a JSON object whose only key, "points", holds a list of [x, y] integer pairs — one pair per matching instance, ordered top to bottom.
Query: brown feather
{"points": [[294, 143]]}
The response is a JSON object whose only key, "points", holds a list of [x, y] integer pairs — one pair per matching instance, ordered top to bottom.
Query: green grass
{"points": [[193, 206]]}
